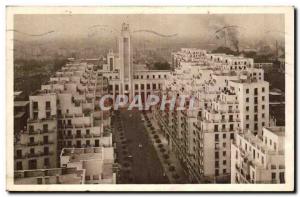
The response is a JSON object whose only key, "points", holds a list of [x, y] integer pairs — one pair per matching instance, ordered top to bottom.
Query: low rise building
{"points": [[258, 158], [97, 163]]}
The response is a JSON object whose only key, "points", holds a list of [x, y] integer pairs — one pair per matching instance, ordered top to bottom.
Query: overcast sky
{"points": [[251, 26]]}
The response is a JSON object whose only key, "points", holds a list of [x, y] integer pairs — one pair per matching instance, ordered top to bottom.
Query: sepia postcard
{"points": [[150, 99]]}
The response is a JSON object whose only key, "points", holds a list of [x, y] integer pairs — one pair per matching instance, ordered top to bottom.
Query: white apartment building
{"points": [[231, 96], [64, 113], [258, 158], [97, 162]]}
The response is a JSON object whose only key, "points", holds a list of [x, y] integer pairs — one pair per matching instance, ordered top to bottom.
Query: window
{"points": [[142, 86], [148, 86], [154, 86], [126, 87], [263, 89], [247, 91], [255, 91], [263, 98], [247, 99], [255, 100], [35, 105], [47, 105], [263, 106], [247, 108], [255, 109], [35, 115], [263, 115], [247, 117], [255, 117], [231, 118], [247, 126], [231, 127], [216, 128], [78, 133], [224, 135], [231, 136], [217, 137], [45, 138], [96, 143], [224, 144], [46, 150], [19, 153], [224, 153], [217, 155], [46, 162], [224, 162], [32, 164], [216, 164], [19, 165], [224, 171], [217, 172], [273, 175], [281, 177], [39, 181]]}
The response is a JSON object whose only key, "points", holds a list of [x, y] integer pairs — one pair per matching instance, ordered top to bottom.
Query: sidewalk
{"points": [[172, 166]]}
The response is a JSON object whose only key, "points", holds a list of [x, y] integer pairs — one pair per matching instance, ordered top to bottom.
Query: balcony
{"points": [[48, 108], [69, 126], [47, 131], [32, 132], [69, 136], [78, 136], [88, 136], [46, 143], [32, 144], [46, 154], [32, 155], [20, 157]]}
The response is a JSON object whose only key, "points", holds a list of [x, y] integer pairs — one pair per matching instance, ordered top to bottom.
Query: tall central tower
{"points": [[125, 55]]}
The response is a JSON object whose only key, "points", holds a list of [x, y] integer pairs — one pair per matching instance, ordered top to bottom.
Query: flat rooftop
{"points": [[280, 131]]}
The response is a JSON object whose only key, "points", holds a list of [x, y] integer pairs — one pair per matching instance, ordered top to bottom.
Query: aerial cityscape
{"points": [[134, 99]]}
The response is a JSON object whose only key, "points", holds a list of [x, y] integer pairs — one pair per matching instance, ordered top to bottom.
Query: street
{"points": [[135, 153]]}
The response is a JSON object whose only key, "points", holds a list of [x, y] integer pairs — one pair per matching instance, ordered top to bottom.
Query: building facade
{"points": [[258, 158]]}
